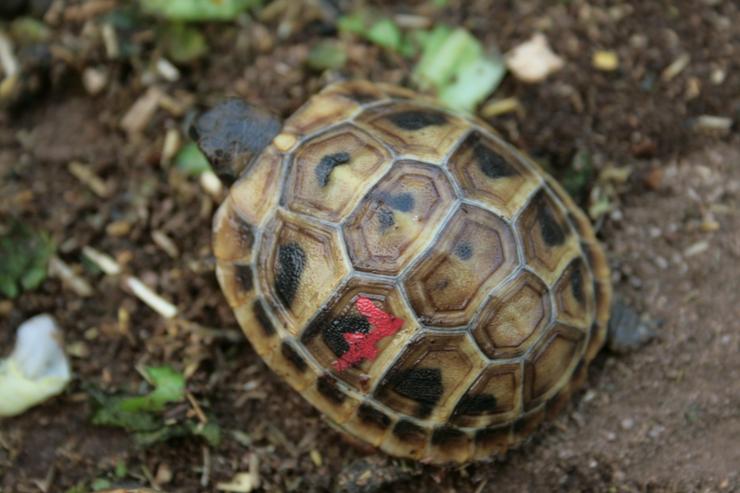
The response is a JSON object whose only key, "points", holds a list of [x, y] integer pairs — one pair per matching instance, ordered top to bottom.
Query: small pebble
{"points": [[533, 60], [605, 60], [628, 423]]}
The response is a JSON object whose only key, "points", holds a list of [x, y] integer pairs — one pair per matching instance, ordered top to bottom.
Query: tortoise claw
{"points": [[231, 134], [627, 329]]}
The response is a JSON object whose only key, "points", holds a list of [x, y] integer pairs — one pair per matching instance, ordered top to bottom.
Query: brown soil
{"points": [[666, 418]]}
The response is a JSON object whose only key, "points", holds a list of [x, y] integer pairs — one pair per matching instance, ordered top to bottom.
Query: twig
{"points": [[103, 261], [155, 302]]}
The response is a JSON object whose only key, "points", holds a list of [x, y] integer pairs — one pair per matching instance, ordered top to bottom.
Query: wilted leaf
{"points": [[198, 10], [182, 43], [191, 161], [24, 255]]}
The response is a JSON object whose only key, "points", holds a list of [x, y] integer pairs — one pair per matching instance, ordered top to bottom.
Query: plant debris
{"points": [[24, 255], [145, 416]]}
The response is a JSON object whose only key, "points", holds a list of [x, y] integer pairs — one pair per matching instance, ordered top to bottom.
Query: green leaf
{"points": [[198, 10], [381, 31], [385, 33], [182, 43], [327, 55], [455, 64], [473, 83], [191, 161], [579, 174], [24, 256], [169, 387], [100, 484]]}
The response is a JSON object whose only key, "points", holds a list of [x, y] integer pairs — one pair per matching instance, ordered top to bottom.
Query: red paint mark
{"points": [[363, 346]]}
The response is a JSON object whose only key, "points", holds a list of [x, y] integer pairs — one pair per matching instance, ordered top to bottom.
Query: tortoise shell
{"points": [[418, 280]]}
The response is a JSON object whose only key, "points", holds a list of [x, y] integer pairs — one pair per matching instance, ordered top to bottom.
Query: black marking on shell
{"points": [[360, 96], [417, 119], [490, 162], [327, 164], [403, 202], [386, 219], [244, 230], [553, 233], [464, 250], [291, 261], [243, 277], [576, 284], [262, 318], [315, 326], [333, 332], [290, 354], [423, 385], [328, 387], [476, 404], [372, 416], [407, 431], [497, 435], [447, 436]]}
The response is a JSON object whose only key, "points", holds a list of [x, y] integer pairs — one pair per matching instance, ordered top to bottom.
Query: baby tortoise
{"points": [[421, 282]]}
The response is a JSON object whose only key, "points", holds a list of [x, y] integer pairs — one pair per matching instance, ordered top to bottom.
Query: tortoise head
{"points": [[232, 134]]}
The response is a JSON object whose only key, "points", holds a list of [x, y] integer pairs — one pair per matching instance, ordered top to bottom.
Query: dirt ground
{"points": [[663, 419]]}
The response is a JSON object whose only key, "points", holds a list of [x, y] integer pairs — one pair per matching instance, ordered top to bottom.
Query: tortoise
{"points": [[421, 282]]}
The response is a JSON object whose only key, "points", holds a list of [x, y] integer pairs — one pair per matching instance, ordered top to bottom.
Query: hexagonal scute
{"points": [[320, 111], [415, 130], [332, 172], [489, 172], [255, 193], [398, 217], [549, 241], [474, 253], [300, 265], [574, 295], [514, 317], [351, 337], [549, 366], [433, 370], [495, 397]]}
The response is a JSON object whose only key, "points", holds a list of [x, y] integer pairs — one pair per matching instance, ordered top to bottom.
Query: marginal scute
{"points": [[319, 112], [414, 130], [332, 172], [255, 194], [397, 218], [233, 237], [548, 240], [474, 253], [300, 264], [237, 282], [574, 295], [515, 316], [550, 363], [431, 373], [495, 397]]}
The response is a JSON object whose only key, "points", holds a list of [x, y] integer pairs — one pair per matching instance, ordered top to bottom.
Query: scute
{"points": [[413, 130], [332, 172], [488, 172], [397, 217], [474, 253], [300, 264], [418, 280], [514, 318], [432, 371]]}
